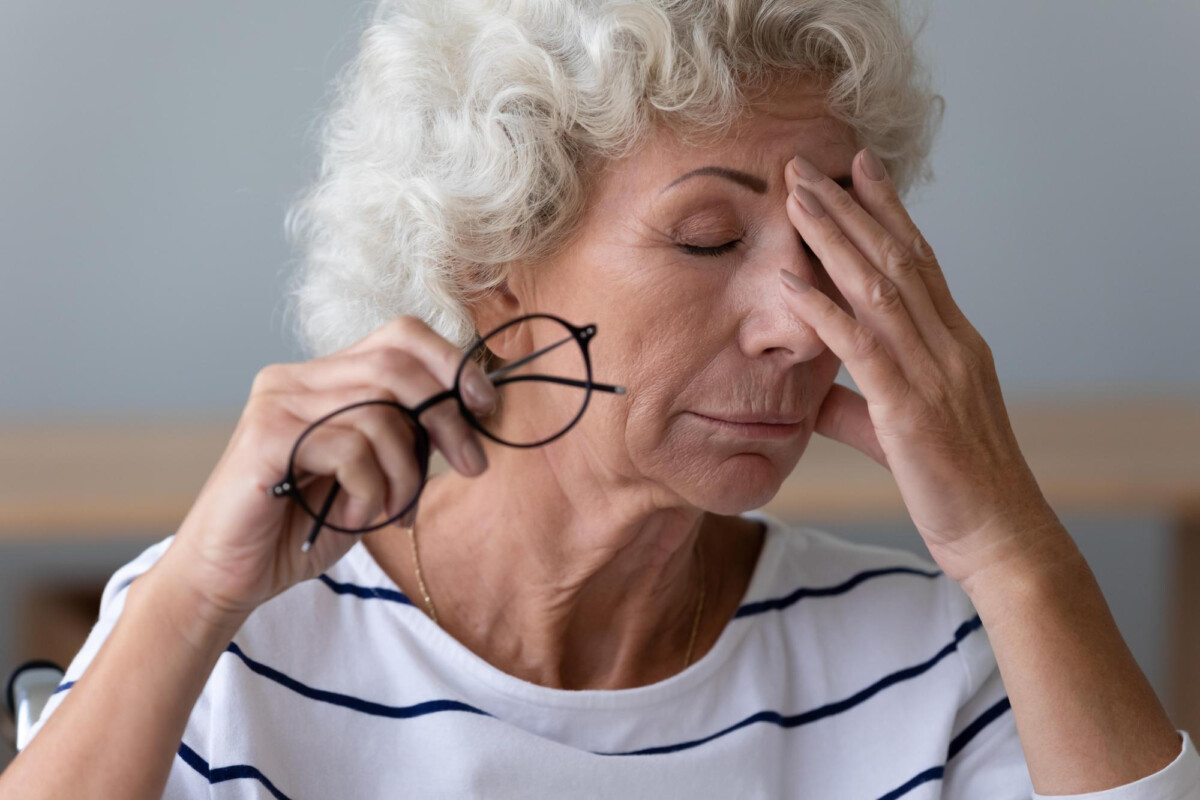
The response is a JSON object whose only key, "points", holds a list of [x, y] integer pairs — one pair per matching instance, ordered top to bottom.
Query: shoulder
{"points": [[112, 603]]}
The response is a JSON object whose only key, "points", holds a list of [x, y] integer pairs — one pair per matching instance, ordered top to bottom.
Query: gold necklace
{"points": [[687, 659]]}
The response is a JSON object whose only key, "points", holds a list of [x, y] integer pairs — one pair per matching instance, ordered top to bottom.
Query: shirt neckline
{"points": [[470, 666]]}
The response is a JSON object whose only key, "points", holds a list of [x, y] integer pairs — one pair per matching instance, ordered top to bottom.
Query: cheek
{"points": [[656, 367]]}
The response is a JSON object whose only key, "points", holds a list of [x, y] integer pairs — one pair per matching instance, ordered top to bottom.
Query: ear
{"points": [[494, 309]]}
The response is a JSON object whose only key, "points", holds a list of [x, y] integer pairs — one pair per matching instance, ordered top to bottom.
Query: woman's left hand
{"points": [[933, 413]]}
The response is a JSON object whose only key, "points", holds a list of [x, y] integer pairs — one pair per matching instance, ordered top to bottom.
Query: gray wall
{"points": [[148, 152]]}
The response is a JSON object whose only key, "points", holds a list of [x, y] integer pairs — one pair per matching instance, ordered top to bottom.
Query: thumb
{"points": [[843, 417]]}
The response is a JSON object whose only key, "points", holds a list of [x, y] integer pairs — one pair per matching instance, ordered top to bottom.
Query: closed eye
{"points": [[720, 249]]}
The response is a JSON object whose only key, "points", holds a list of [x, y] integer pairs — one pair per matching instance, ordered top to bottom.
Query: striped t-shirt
{"points": [[848, 671]]}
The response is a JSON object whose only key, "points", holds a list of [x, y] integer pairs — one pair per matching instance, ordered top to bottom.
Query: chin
{"points": [[736, 484]]}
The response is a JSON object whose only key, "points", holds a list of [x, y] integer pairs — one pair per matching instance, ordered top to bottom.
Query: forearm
{"points": [[1087, 717], [118, 729]]}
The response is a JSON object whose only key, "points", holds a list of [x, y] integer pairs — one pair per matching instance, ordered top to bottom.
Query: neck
{"points": [[587, 587]]}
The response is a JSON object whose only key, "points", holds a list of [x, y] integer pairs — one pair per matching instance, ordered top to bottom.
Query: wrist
{"points": [[1025, 563], [168, 591]]}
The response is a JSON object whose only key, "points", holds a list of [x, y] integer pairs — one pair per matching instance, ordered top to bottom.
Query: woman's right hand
{"points": [[239, 545]]}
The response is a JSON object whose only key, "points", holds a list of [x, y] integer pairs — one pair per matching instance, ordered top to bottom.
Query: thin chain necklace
{"points": [[687, 659]]}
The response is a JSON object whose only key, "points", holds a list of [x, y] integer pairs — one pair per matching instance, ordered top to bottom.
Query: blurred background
{"points": [[148, 153]]}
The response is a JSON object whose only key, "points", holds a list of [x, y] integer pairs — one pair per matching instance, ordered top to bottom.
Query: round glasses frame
{"points": [[288, 486]]}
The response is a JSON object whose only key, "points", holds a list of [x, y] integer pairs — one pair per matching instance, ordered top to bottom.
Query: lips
{"points": [[779, 427]]}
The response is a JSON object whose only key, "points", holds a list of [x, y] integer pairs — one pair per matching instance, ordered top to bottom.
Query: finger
{"points": [[883, 202], [889, 256], [875, 299], [859, 347], [439, 356], [409, 382], [844, 418], [392, 437], [344, 453]]}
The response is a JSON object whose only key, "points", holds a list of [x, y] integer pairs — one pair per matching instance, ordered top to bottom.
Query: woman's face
{"points": [[677, 262]]}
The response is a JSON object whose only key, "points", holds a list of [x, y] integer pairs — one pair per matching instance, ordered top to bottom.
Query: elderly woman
{"points": [[707, 194]]}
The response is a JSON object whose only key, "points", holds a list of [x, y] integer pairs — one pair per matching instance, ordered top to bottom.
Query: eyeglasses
{"points": [[543, 390]]}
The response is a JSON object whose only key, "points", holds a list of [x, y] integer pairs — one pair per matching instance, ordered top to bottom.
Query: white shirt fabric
{"points": [[849, 671]]}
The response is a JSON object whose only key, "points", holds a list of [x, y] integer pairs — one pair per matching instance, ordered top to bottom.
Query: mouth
{"points": [[759, 426]]}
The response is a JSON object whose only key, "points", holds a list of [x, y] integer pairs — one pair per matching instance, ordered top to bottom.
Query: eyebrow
{"points": [[751, 182]]}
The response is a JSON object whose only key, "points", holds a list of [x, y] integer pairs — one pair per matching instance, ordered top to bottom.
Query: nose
{"points": [[769, 328]]}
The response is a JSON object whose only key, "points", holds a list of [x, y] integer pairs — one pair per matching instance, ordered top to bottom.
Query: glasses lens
{"points": [[540, 374], [394, 440]]}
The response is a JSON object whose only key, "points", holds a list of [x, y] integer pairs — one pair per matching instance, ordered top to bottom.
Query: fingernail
{"points": [[873, 166], [806, 170], [810, 202], [794, 281], [479, 391], [473, 456]]}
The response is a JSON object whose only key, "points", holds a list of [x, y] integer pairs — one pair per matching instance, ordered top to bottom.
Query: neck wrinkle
{"points": [[590, 606]]}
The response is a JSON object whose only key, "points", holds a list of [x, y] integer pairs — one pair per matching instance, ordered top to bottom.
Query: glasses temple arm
{"points": [[510, 367], [600, 387], [320, 520]]}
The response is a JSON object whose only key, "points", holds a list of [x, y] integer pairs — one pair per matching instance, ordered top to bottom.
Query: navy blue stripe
{"points": [[376, 593], [778, 603], [749, 609], [63, 687], [348, 701], [821, 712], [774, 717], [784, 721], [981, 722], [958, 743], [221, 774], [931, 774]]}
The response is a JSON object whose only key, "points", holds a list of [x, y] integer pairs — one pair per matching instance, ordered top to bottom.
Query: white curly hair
{"points": [[461, 136]]}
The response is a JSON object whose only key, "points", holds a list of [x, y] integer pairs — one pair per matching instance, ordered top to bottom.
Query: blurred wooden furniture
{"points": [[72, 480]]}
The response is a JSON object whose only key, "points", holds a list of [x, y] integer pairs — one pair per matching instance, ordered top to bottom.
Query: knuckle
{"points": [[841, 201], [835, 236], [921, 249], [898, 261], [882, 294], [957, 321], [972, 341], [864, 342], [985, 351], [982, 358], [392, 361], [965, 362], [267, 379], [378, 394], [938, 394], [375, 417], [355, 447]]}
